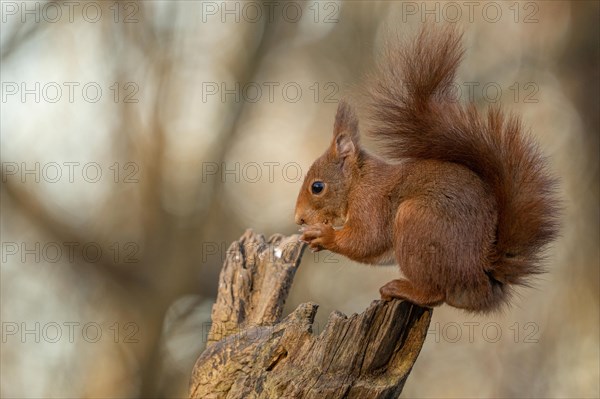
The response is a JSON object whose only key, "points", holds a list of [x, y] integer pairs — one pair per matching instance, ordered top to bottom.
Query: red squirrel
{"points": [[463, 202]]}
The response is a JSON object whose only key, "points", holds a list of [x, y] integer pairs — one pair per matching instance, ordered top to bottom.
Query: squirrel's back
{"points": [[413, 113]]}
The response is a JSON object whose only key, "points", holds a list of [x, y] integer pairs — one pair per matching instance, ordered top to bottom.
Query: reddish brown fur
{"points": [[466, 207]]}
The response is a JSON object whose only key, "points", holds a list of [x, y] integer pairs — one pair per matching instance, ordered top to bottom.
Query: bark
{"points": [[253, 353]]}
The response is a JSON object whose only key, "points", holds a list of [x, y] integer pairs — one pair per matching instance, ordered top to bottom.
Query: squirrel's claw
{"points": [[318, 236]]}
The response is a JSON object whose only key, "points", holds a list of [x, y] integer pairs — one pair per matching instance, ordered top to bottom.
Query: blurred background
{"points": [[139, 138]]}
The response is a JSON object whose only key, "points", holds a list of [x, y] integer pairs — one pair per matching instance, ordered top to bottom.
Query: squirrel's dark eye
{"points": [[317, 187]]}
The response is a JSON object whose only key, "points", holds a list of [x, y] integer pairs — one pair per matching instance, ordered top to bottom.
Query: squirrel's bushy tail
{"points": [[413, 111]]}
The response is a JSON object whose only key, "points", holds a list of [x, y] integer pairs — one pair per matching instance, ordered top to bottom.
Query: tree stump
{"points": [[253, 353]]}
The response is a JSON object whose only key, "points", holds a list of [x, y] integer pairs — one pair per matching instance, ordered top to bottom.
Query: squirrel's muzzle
{"points": [[299, 219]]}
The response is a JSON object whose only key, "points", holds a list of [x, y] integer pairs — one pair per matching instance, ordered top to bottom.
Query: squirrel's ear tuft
{"points": [[346, 122]]}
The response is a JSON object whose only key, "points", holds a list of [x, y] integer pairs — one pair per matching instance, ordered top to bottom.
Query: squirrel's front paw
{"points": [[318, 236]]}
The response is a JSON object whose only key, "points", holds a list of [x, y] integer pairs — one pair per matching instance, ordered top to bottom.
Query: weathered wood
{"points": [[252, 353]]}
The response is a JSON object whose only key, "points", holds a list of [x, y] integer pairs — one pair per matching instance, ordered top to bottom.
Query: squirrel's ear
{"points": [[346, 121], [345, 131], [344, 147]]}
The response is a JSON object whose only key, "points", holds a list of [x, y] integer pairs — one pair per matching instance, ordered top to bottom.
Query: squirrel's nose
{"points": [[298, 219]]}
